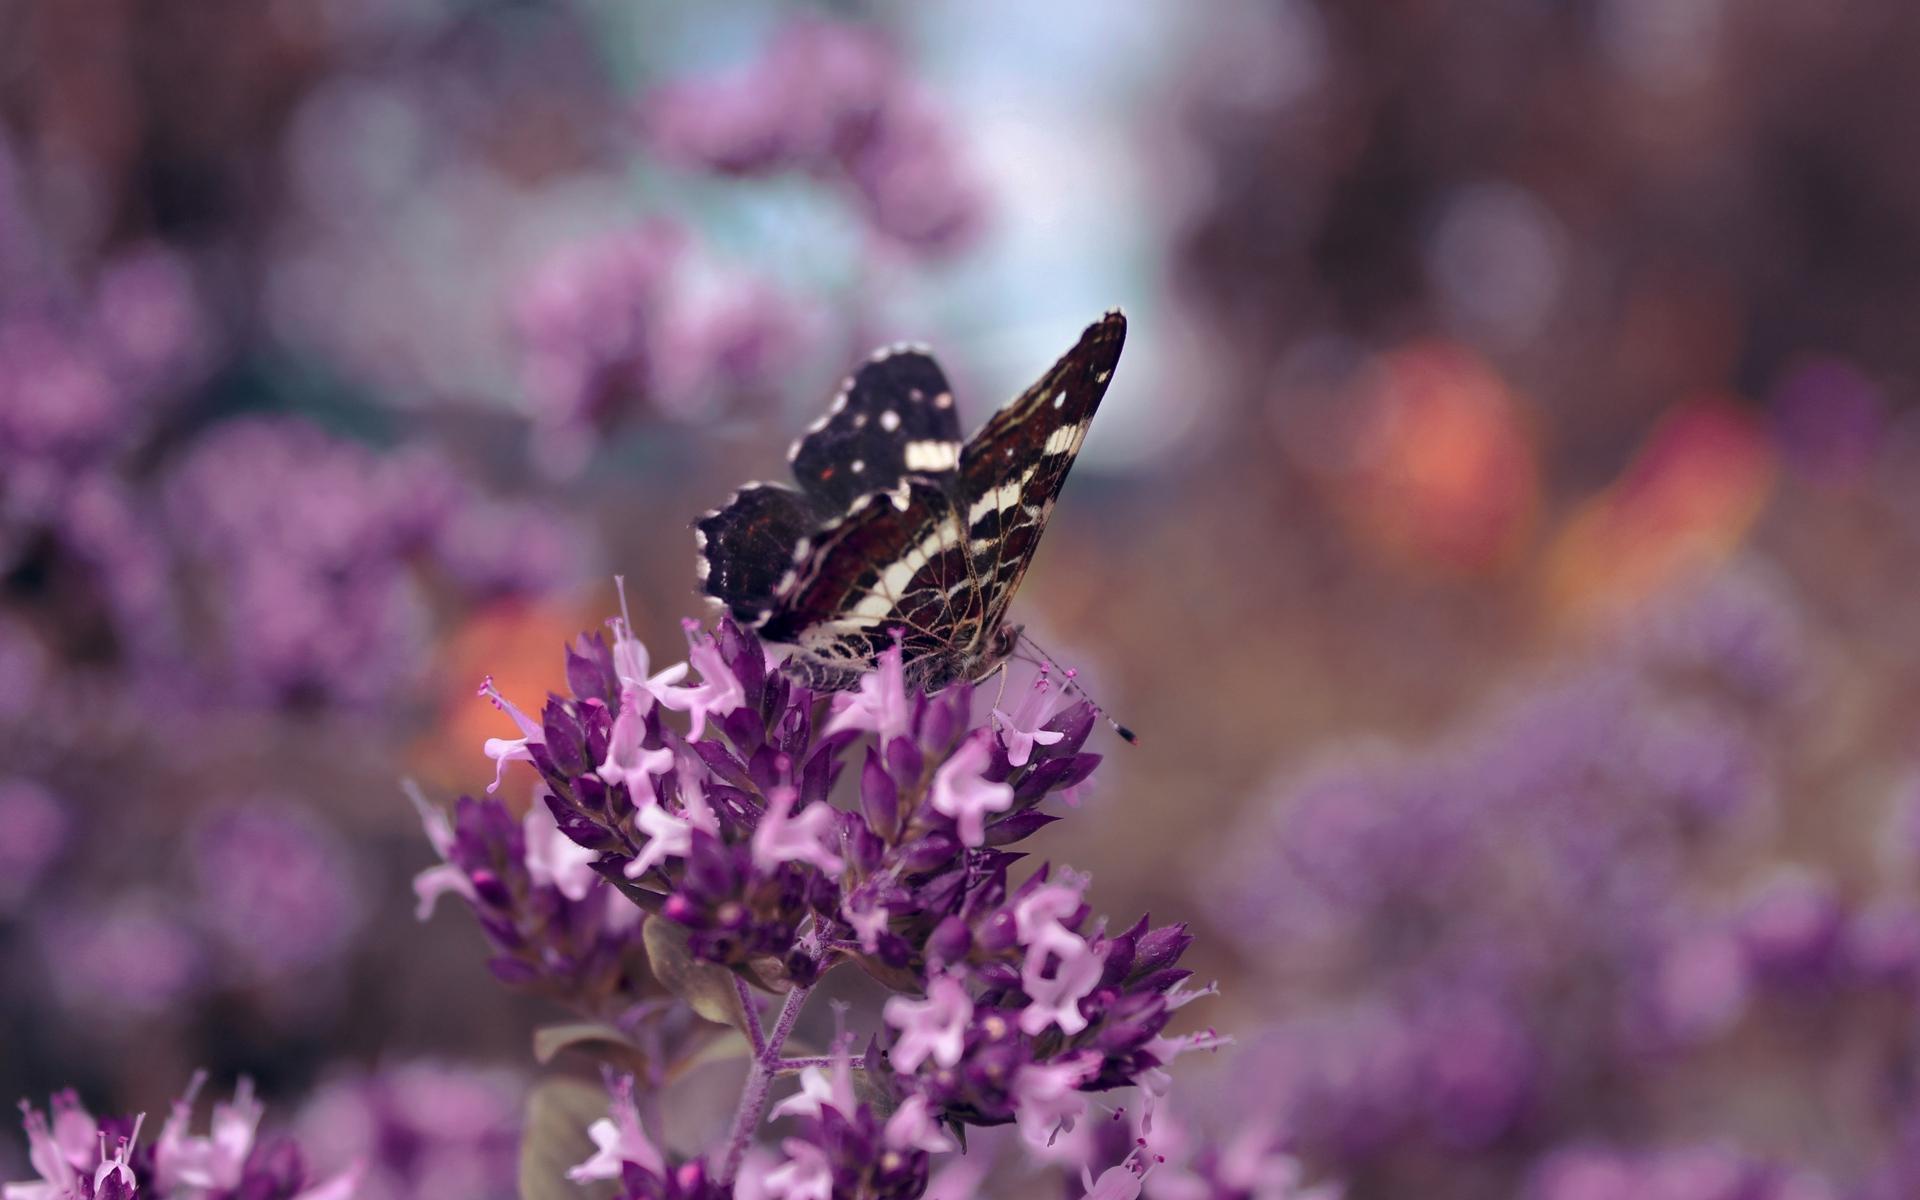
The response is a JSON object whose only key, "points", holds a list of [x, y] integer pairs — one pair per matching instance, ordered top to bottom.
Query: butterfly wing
{"points": [[893, 418], [1013, 469], [898, 527], [746, 546], [895, 562]]}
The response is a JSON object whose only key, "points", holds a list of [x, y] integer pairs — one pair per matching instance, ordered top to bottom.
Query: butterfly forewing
{"points": [[894, 417], [1012, 471]]}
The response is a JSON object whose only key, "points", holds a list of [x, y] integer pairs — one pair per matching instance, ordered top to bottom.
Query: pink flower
{"points": [[630, 658], [718, 692], [879, 706], [1022, 731], [505, 750], [627, 761], [961, 790], [668, 834], [810, 837], [553, 858], [435, 882], [1038, 916], [868, 922], [1061, 967], [1055, 998], [935, 1027], [1156, 1080], [818, 1090], [1047, 1099], [912, 1127], [618, 1138], [58, 1151], [117, 1164], [198, 1166], [806, 1175], [1122, 1181]]}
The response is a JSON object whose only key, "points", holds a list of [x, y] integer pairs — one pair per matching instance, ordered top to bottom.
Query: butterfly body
{"points": [[901, 528]]}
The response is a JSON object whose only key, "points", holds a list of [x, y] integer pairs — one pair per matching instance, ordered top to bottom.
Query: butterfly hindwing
{"points": [[892, 418], [747, 545], [895, 562]]}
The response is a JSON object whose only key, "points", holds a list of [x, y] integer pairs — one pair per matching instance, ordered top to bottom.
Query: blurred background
{"points": [[1503, 528]]}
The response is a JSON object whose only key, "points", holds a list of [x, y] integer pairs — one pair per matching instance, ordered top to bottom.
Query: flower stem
{"points": [[750, 1005], [759, 1085]]}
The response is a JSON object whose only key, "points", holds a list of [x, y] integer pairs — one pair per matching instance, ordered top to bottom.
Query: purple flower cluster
{"points": [[831, 100], [612, 326], [87, 373], [80, 380], [315, 546], [34, 828], [274, 887], [266, 897], [551, 923], [1506, 941], [1014, 1004], [418, 1129], [77, 1157], [1707, 1172]]}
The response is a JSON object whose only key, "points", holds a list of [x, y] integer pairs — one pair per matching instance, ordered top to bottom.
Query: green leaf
{"points": [[648, 900], [708, 988], [550, 1040], [729, 1044], [558, 1113]]}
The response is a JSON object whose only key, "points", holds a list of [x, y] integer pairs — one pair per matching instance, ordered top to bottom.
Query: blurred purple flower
{"points": [[835, 101], [146, 313], [588, 321], [614, 326], [59, 403], [1829, 420], [310, 546], [23, 666], [34, 827], [274, 887], [1791, 926], [1474, 931], [130, 956], [1699, 987], [422, 1130], [1706, 1172]]}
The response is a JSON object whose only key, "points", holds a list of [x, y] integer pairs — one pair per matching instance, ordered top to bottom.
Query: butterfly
{"points": [[899, 528]]}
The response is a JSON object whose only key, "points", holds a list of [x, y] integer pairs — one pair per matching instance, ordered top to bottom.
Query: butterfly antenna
{"points": [[1046, 661]]}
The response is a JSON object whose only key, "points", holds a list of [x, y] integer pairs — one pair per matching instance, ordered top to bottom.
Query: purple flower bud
{"points": [[590, 672], [904, 759], [879, 796], [1017, 827], [927, 853], [998, 933], [949, 942], [1160, 947]]}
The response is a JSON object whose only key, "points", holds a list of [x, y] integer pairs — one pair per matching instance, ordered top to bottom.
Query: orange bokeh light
{"points": [[1441, 471], [1686, 501], [522, 645]]}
